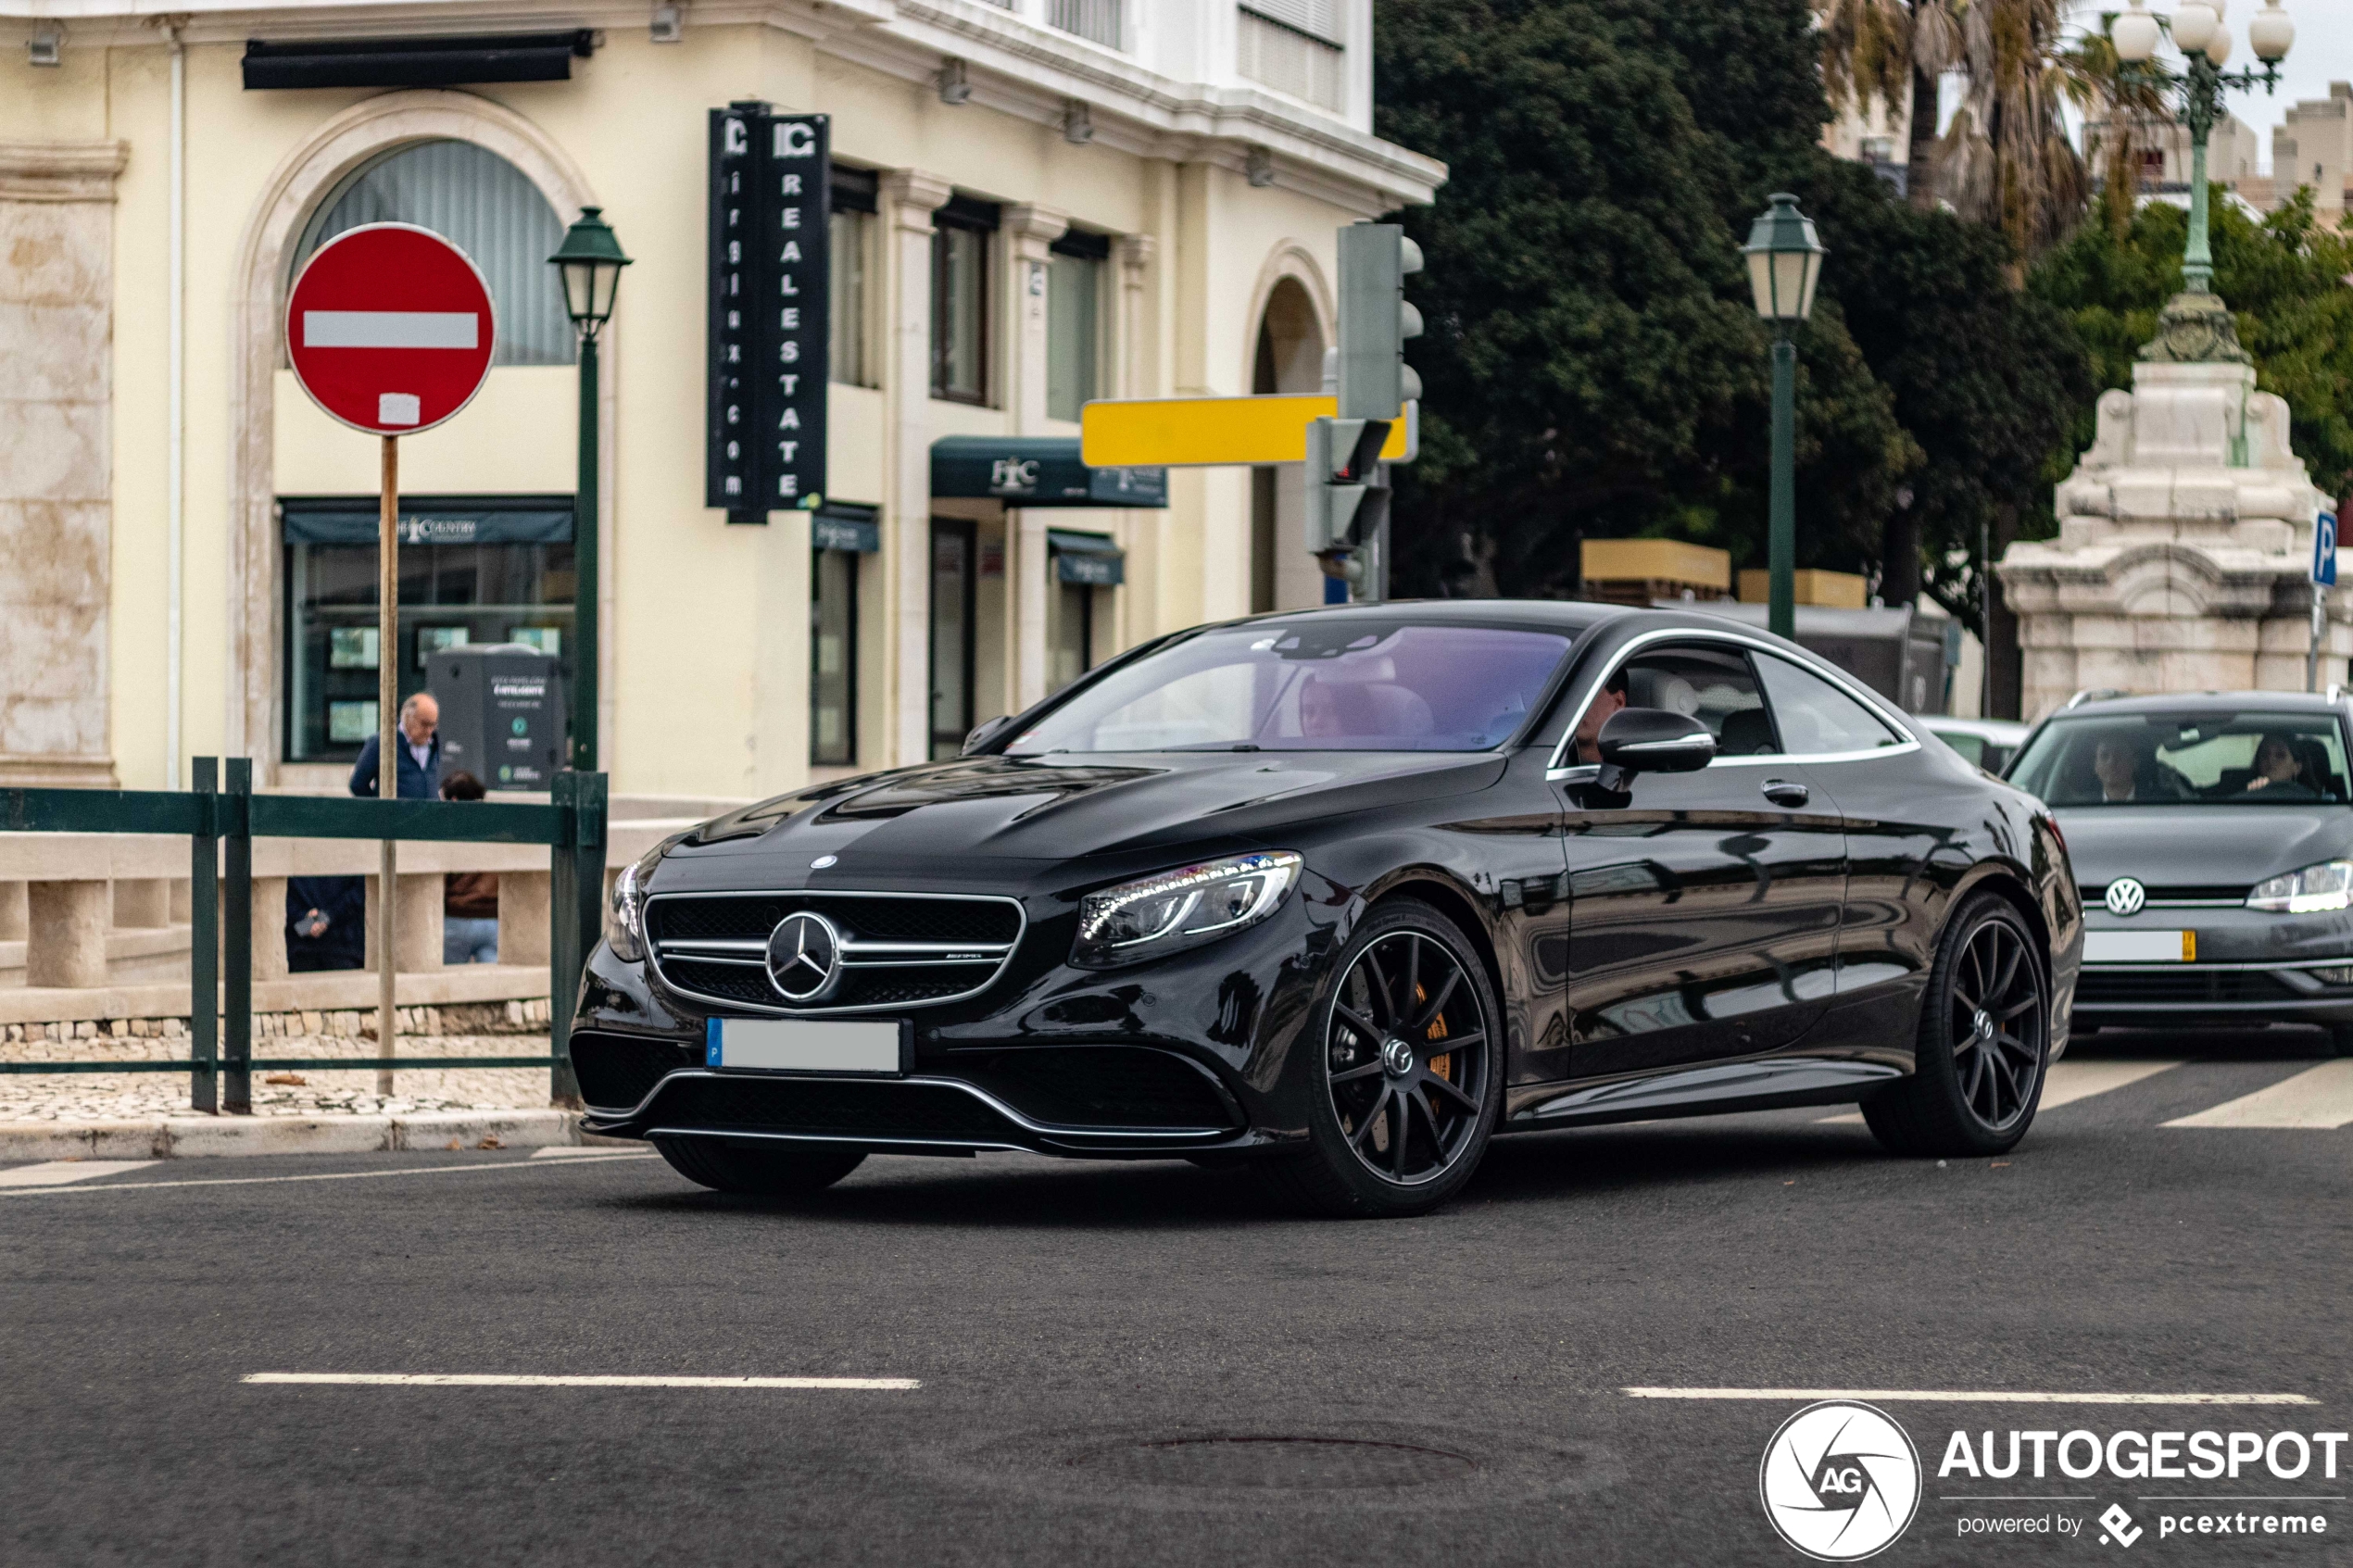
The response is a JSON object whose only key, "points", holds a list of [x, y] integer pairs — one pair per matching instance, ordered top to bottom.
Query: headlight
{"points": [[2312, 891], [1180, 908], [625, 910]]}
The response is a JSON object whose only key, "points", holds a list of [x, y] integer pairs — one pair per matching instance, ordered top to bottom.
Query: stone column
{"points": [[909, 199], [57, 232], [1030, 232], [1130, 356], [142, 903], [12, 911], [522, 917], [268, 929], [416, 942], [67, 943]]}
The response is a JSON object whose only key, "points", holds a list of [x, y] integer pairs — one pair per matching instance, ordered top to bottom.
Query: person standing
{"points": [[419, 765], [469, 899]]}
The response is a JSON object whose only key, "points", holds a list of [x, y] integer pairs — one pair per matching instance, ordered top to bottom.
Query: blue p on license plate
{"points": [[794, 1044]]}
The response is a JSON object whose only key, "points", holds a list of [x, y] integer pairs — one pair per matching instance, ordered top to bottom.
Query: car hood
{"points": [[947, 820], [2201, 846]]}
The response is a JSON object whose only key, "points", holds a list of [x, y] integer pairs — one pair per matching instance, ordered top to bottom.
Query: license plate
{"points": [[2140, 947], [788, 1044]]}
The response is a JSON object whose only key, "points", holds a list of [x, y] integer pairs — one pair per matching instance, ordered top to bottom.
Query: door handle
{"points": [[1782, 792]]}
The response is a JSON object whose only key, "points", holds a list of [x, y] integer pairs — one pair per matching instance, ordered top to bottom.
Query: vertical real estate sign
{"points": [[771, 202]]}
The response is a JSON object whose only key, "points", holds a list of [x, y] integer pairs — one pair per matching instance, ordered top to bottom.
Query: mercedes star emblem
{"points": [[2125, 896], [804, 958]]}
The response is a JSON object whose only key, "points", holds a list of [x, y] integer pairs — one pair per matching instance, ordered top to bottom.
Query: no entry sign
{"points": [[390, 329]]}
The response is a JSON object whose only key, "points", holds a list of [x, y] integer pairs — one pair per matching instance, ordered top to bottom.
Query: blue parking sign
{"points": [[2324, 550]]}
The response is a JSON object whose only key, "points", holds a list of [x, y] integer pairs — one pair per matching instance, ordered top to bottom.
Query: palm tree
{"points": [[1874, 50]]}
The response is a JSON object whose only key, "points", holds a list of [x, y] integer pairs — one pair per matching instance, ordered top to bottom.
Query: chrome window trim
{"points": [[1556, 770], [1002, 954], [1045, 1129]]}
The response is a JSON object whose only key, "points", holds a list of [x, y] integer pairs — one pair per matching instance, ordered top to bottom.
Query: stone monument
{"points": [[2185, 535]]}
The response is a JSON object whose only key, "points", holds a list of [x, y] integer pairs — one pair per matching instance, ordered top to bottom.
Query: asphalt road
{"points": [[1137, 1364]]}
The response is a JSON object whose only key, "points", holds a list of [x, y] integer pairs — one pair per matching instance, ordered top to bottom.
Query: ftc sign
{"points": [[771, 201], [2324, 550]]}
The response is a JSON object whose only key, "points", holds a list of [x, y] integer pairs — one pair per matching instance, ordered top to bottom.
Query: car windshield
{"points": [[1342, 685], [2218, 758]]}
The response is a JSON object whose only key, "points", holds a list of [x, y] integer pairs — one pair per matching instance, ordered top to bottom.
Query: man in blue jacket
{"points": [[419, 761]]}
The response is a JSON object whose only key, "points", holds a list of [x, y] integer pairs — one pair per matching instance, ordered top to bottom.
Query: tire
{"points": [[2341, 1038], [1984, 1043], [1396, 1127], [759, 1170]]}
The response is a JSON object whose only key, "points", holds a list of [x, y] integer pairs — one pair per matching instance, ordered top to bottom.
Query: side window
{"points": [[1715, 688], [1815, 717]]}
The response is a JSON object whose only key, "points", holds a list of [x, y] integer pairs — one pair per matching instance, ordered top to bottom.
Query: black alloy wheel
{"points": [[1984, 1043], [1406, 1082], [760, 1169]]}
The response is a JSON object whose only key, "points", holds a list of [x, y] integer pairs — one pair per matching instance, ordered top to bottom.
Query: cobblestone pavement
{"points": [[99, 1096]]}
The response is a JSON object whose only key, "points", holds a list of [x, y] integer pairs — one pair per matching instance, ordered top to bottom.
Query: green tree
{"points": [[2284, 277]]}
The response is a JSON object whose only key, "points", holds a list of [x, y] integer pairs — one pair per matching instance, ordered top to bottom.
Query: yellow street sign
{"points": [[1199, 431]]}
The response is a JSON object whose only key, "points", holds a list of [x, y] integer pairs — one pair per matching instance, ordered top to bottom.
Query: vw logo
{"points": [[2125, 896], [804, 958], [1840, 1481]]}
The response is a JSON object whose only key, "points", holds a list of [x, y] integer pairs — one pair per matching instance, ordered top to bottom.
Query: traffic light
{"points": [[1375, 321], [1346, 503]]}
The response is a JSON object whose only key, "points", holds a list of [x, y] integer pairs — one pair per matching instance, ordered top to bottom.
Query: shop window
{"points": [[489, 209], [962, 232], [852, 240], [1074, 317], [840, 536], [474, 569], [953, 584]]}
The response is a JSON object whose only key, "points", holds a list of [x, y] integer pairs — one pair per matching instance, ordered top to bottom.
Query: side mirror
{"points": [[985, 731], [1651, 740]]}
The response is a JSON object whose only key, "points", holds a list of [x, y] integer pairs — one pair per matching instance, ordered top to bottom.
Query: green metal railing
{"points": [[222, 817]]}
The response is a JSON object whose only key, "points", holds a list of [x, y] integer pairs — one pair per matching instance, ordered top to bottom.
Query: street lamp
{"points": [[2204, 39], [589, 262], [1784, 263]]}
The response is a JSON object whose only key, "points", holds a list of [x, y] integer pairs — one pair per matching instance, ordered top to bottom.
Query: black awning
{"points": [[443, 61], [1037, 470], [430, 519], [839, 525], [1087, 557]]}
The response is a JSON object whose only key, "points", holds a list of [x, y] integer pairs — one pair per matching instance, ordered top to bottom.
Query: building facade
{"points": [[1036, 203]]}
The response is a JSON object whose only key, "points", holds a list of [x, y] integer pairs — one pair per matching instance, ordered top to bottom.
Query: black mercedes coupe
{"points": [[1343, 894]]}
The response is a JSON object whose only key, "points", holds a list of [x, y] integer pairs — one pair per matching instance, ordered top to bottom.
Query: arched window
{"points": [[490, 210]]}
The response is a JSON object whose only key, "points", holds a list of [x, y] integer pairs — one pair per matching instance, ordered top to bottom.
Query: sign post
{"points": [[389, 329], [2323, 579]]}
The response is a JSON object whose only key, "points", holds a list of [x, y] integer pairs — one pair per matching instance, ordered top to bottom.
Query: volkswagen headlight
{"points": [[2315, 890], [1182, 909], [625, 910]]}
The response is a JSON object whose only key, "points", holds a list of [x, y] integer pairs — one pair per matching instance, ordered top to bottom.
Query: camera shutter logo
{"points": [[2125, 896], [804, 958], [1840, 1481]]}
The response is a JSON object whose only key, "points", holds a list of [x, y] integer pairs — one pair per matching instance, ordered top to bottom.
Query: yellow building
{"points": [[1038, 202]]}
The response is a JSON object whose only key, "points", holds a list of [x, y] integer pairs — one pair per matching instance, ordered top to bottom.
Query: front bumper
{"points": [[2252, 966], [1184, 1055]]}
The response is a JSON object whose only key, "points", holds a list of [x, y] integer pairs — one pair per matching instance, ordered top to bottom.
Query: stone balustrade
{"points": [[99, 922]]}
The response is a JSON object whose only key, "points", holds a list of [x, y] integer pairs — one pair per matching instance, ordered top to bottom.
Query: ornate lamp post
{"points": [[590, 261], [1784, 263], [2195, 325]]}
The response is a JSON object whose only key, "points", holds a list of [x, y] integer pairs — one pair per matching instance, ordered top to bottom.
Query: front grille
{"points": [[2201, 891], [898, 950], [2096, 987], [616, 1072], [1102, 1087], [829, 1107]]}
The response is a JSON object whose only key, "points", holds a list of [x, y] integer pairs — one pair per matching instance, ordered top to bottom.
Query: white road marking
{"points": [[391, 329], [2068, 1082], [2319, 1096], [587, 1151], [58, 1172], [321, 1177], [525, 1380], [1969, 1396]]}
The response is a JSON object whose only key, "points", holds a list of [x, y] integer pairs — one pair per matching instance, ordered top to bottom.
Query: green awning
{"points": [[1037, 470], [839, 525], [1087, 557]]}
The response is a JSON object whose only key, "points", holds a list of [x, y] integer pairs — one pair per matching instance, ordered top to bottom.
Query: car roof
{"points": [[1568, 616], [2204, 702]]}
